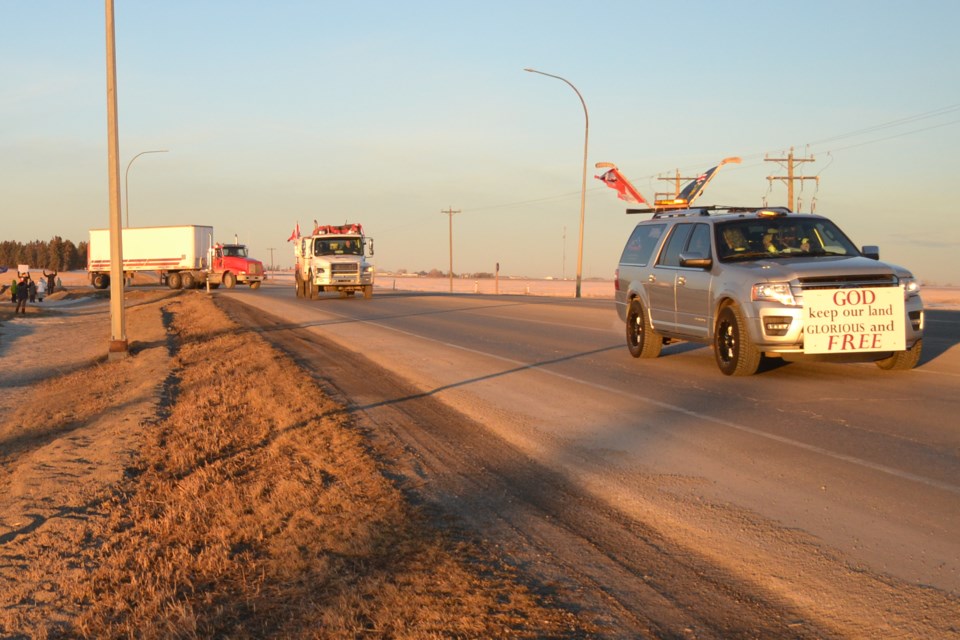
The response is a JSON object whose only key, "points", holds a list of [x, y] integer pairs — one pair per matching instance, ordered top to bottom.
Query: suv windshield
{"points": [[758, 238]]}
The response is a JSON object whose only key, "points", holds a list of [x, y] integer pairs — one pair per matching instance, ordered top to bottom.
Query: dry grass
{"points": [[254, 510]]}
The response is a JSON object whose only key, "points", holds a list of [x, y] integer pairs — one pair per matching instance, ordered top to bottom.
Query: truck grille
{"points": [[345, 268]]}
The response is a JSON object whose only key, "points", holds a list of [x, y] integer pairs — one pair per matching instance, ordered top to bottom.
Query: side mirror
{"points": [[370, 245], [871, 251], [696, 261]]}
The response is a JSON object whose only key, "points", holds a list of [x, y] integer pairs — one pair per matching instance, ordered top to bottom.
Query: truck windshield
{"points": [[760, 238], [338, 246], [235, 252]]}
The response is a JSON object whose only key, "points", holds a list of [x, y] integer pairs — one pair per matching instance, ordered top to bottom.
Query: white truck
{"points": [[184, 257], [333, 258]]}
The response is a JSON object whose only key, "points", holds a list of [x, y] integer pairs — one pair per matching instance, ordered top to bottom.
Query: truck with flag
{"points": [[333, 258]]}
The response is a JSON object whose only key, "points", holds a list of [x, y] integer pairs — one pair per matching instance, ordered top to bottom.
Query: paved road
{"points": [[865, 461]]}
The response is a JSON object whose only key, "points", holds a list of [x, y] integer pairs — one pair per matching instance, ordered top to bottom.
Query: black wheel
{"points": [[173, 280], [187, 280], [229, 280], [101, 281], [299, 284], [255, 285], [312, 291], [642, 341], [736, 355], [902, 360]]}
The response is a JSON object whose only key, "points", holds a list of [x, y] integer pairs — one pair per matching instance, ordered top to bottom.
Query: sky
{"points": [[391, 113]]}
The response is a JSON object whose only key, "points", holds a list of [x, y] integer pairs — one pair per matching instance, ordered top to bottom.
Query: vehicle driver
{"points": [[733, 238]]}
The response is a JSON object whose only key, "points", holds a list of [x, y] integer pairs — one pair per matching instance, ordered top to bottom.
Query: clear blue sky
{"points": [[386, 113]]}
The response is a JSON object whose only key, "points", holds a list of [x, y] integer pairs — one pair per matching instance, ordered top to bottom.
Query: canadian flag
{"points": [[295, 235]]}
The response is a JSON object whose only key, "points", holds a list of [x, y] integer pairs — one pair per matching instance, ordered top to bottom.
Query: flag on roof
{"points": [[615, 180], [695, 187], [295, 235]]}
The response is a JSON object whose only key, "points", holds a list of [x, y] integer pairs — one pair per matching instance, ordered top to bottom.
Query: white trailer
{"points": [[179, 254]]}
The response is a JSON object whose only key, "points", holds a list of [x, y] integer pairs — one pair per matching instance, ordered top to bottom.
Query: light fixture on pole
{"points": [[126, 176], [583, 185]]}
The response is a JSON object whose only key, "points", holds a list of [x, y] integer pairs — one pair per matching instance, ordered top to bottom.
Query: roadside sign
{"points": [[853, 320]]}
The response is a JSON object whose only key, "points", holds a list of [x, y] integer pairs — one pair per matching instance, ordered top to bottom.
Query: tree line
{"points": [[56, 255]]}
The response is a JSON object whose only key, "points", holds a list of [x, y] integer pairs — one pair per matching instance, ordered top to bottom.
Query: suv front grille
{"points": [[849, 282]]}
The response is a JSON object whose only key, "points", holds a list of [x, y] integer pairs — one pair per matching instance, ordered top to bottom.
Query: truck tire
{"points": [[173, 280], [229, 280], [101, 281], [187, 281], [255, 284], [301, 286], [368, 291], [312, 292], [642, 341], [735, 354], [902, 360]]}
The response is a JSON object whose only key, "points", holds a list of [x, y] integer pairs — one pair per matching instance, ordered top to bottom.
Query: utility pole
{"points": [[791, 162], [678, 181], [450, 213], [273, 267], [118, 347]]}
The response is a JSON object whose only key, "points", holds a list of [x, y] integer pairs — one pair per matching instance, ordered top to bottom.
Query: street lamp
{"points": [[126, 176], [583, 185]]}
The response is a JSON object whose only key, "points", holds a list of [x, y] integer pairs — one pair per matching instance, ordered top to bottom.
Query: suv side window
{"points": [[699, 241], [641, 244], [670, 256]]}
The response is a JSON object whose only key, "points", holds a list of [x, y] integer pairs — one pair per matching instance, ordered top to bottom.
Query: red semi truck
{"points": [[183, 256]]}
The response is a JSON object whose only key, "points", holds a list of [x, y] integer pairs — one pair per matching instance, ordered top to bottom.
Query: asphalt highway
{"points": [[865, 461]]}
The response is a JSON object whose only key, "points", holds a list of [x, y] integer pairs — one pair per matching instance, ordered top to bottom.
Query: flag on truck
{"points": [[615, 180], [295, 235]]}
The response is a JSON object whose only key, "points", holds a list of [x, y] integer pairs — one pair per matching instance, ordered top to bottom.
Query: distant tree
{"points": [[69, 259], [436, 273]]}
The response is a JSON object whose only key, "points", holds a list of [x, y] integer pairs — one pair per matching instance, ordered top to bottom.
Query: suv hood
{"points": [[787, 269]]}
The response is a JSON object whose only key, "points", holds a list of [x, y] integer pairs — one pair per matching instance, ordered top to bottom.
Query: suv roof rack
{"points": [[659, 212]]}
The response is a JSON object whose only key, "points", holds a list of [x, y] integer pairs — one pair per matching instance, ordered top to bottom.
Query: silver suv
{"points": [[758, 283]]}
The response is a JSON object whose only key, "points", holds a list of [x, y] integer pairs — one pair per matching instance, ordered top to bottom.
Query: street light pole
{"points": [[126, 176], [583, 184]]}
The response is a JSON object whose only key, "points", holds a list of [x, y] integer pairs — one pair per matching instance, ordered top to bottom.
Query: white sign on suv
{"points": [[758, 283]]}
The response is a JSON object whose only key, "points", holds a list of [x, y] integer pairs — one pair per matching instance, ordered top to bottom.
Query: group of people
{"points": [[23, 288]]}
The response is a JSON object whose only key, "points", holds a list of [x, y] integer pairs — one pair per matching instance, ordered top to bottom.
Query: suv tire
{"points": [[642, 341], [735, 354], [902, 360]]}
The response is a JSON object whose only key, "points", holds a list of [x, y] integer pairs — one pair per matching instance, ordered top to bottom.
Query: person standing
{"points": [[51, 281], [31, 289], [41, 289], [13, 291], [22, 294]]}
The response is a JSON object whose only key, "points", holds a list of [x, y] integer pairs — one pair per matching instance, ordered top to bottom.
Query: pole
{"points": [[791, 162], [126, 182], [583, 184], [450, 213], [273, 267], [118, 330]]}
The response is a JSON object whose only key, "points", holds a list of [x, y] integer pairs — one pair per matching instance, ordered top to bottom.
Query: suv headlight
{"points": [[910, 287], [773, 291]]}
